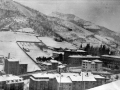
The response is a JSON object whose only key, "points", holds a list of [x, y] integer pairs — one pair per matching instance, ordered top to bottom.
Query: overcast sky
{"points": [[100, 12]]}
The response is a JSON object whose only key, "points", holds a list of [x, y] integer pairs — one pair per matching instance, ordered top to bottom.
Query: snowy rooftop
{"points": [[75, 50], [58, 52], [80, 56], [112, 56], [12, 59], [97, 60], [53, 61], [86, 61], [93, 62], [46, 63], [61, 66], [69, 74], [46, 75], [83, 76], [9, 77], [67, 77], [98, 77], [40, 79], [63, 79], [110, 86]]}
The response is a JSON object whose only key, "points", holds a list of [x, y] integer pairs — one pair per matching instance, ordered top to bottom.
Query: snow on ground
{"points": [[27, 30], [9, 36], [101, 38], [52, 43], [8, 45], [34, 51], [16, 52], [110, 86]]}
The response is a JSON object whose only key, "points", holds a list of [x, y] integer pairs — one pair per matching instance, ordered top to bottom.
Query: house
{"points": [[11, 82]]}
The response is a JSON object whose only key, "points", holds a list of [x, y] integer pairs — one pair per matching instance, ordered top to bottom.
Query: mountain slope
{"points": [[15, 16], [89, 26], [64, 27]]}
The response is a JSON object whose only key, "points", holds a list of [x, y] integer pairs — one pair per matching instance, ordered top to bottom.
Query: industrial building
{"points": [[68, 53], [76, 60], [111, 61], [12, 66]]}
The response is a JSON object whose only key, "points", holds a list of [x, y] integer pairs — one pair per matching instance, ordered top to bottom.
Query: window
{"points": [[12, 80], [16, 80], [20, 80], [8, 81]]}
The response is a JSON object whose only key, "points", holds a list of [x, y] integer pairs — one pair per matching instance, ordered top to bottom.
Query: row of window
{"points": [[14, 81]]}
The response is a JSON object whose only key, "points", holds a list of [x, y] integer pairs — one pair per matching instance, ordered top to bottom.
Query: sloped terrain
{"points": [[62, 27], [91, 28]]}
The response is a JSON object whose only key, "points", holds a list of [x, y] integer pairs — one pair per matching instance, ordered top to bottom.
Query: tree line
{"points": [[97, 51], [43, 59]]}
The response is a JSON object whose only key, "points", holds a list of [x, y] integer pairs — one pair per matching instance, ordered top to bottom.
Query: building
{"points": [[68, 53], [59, 56], [76, 60], [111, 61], [54, 64], [46, 65], [94, 65], [12, 66], [62, 68], [99, 80], [42, 81], [83, 81], [11, 82], [39, 82], [63, 83]]}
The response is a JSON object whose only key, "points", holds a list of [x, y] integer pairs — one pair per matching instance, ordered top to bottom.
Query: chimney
{"points": [[8, 55]]}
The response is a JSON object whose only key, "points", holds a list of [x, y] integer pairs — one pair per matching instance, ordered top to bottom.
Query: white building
{"points": [[94, 65]]}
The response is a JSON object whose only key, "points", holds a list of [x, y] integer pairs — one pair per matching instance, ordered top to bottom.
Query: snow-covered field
{"points": [[27, 30], [9, 36], [52, 43], [8, 45], [34, 51]]}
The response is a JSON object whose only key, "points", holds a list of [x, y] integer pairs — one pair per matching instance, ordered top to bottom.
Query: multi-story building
{"points": [[68, 53], [76, 60], [111, 61], [94, 65], [12, 66], [84, 80], [99, 80], [42, 81], [11, 82], [39, 82], [63, 83]]}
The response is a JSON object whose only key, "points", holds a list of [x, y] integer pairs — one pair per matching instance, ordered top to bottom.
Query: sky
{"points": [[101, 12]]}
